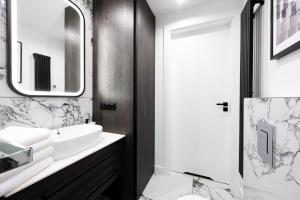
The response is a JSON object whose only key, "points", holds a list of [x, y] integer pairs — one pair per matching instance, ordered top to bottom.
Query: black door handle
{"points": [[225, 104]]}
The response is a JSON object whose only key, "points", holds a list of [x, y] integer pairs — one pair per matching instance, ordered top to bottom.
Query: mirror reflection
{"points": [[49, 46]]}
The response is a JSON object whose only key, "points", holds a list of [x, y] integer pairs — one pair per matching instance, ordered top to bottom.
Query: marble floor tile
{"points": [[176, 185], [171, 186], [212, 190], [144, 198]]}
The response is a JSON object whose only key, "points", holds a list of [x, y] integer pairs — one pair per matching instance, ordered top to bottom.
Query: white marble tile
{"points": [[85, 5], [87, 8], [2, 18], [2, 41], [4, 89], [48, 113], [283, 180], [176, 185], [165, 187], [212, 190], [256, 194], [144, 198]]}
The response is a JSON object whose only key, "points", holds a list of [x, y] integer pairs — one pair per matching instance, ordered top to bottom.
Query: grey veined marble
{"points": [[88, 4], [3, 9], [2, 20], [2, 39], [2, 61], [2, 76], [49, 113], [283, 180], [175, 185], [212, 190], [144, 198]]}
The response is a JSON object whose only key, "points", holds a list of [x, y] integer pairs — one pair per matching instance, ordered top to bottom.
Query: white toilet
{"points": [[192, 197]]}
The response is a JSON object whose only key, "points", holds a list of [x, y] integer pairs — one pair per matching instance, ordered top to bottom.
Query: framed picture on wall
{"points": [[285, 27]]}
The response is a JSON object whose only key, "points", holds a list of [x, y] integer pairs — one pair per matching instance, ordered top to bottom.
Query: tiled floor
{"points": [[176, 185]]}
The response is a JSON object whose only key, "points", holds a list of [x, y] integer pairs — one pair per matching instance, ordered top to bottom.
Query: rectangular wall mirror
{"points": [[46, 48]]}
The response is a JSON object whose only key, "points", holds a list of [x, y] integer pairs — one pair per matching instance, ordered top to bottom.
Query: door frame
{"points": [[234, 22]]}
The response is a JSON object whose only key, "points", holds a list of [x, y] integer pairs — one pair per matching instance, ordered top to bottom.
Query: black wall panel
{"points": [[246, 68], [113, 74], [124, 75], [144, 92]]}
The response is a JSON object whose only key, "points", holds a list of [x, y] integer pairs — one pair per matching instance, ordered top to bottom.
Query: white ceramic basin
{"points": [[74, 139], [192, 197]]}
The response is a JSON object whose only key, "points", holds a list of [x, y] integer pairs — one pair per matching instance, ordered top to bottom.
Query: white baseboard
{"points": [[160, 170], [237, 187], [241, 188]]}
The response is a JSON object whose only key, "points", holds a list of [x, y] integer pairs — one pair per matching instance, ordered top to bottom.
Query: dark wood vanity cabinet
{"points": [[95, 177]]}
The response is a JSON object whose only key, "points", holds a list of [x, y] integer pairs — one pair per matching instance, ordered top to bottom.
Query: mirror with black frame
{"points": [[46, 47]]}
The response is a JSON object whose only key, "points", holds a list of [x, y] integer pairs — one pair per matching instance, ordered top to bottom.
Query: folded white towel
{"points": [[25, 136], [41, 145], [38, 156], [20, 178]]}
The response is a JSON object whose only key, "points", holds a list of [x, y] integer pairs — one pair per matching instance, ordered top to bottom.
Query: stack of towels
{"points": [[40, 141]]}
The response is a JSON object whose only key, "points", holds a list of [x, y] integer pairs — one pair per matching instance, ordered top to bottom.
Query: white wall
{"points": [[204, 13], [37, 42], [279, 78]]}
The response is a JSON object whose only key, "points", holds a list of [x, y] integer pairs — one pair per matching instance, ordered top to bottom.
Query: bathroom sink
{"points": [[74, 139]]}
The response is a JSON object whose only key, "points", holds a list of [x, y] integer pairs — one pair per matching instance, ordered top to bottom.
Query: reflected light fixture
{"points": [[180, 1]]}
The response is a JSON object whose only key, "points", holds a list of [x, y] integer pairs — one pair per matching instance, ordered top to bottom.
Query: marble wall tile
{"points": [[86, 7], [2, 16], [2, 40], [5, 91], [45, 112], [48, 113], [282, 180]]}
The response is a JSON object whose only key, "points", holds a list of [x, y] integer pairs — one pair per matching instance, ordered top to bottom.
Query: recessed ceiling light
{"points": [[180, 1]]}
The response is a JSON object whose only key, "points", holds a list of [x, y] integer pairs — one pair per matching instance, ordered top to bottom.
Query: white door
{"points": [[198, 77]]}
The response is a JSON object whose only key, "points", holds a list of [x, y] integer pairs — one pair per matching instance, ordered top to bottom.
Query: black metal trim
{"points": [[261, 2], [285, 52], [21, 62], [9, 63], [246, 73], [198, 175], [135, 182]]}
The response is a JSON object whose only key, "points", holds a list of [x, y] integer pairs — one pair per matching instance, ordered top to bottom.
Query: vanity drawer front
{"points": [[106, 158], [88, 173], [88, 183]]}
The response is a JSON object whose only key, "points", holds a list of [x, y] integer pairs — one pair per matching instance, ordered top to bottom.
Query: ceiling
{"points": [[166, 6], [44, 16]]}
